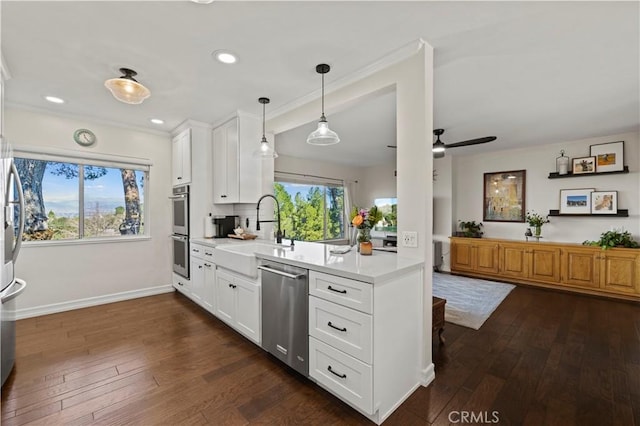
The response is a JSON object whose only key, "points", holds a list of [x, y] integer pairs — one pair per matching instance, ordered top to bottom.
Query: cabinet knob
{"points": [[179, 177], [199, 266]]}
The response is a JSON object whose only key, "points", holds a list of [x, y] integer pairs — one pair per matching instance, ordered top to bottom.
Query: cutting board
{"points": [[242, 236]]}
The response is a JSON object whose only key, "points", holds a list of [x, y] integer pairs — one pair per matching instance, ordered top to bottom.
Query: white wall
{"points": [[378, 182], [542, 194], [443, 205], [63, 277]]}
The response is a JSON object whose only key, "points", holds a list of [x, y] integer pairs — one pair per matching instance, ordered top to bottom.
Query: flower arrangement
{"points": [[365, 219], [534, 219]]}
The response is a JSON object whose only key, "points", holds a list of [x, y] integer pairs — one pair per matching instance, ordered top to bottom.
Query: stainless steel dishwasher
{"points": [[285, 318]]}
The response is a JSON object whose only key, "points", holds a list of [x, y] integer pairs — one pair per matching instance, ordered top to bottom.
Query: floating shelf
{"points": [[555, 175], [621, 213]]}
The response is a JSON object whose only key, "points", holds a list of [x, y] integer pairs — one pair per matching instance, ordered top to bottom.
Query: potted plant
{"points": [[536, 220], [470, 229], [614, 238]]}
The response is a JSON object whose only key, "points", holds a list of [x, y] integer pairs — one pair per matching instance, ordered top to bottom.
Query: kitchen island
{"points": [[365, 316]]}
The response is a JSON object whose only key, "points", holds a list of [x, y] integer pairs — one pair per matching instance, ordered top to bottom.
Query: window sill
{"points": [[84, 241]]}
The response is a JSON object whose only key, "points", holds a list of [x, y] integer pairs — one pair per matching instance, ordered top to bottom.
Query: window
{"points": [[67, 199], [311, 211]]}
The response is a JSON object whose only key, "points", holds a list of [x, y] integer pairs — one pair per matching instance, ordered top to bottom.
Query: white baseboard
{"points": [[91, 301], [428, 375]]}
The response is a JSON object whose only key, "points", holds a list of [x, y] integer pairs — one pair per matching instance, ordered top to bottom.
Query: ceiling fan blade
{"points": [[471, 142]]}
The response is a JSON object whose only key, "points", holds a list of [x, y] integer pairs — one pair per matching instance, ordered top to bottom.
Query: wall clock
{"points": [[84, 137]]}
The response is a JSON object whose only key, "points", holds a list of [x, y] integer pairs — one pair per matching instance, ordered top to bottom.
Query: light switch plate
{"points": [[409, 239]]}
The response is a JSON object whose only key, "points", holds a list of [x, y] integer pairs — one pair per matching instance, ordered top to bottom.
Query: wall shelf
{"points": [[555, 175], [621, 213]]}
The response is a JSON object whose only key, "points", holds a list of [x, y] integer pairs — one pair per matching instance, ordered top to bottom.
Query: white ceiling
{"points": [[526, 72]]}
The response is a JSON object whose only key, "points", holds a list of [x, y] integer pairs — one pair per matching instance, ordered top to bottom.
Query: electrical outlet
{"points": [[409, 239]]}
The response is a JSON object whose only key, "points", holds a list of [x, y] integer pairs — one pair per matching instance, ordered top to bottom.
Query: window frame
{"points": [[82, 159]]}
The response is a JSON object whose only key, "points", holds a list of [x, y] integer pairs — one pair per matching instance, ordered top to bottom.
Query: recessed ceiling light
{"points": [[202, 1], [225, 56], [54, 99], [156, 121]]}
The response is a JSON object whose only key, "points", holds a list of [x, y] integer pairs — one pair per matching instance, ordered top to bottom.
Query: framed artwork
{"points": [[609, 156], [583, 165], [504, 195], [575, 201], [604, 202]]}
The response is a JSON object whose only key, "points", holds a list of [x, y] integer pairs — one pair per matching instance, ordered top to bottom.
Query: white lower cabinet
{"points": [[202, 281], [182, 284], [238, 303], [365, 340], [348, 377]]}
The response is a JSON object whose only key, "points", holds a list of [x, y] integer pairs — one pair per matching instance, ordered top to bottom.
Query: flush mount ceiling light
{"points": [[202, 1], [225, 56], [126, 89], [54, 99], [156, 121], [323, 135], [264, 151]]}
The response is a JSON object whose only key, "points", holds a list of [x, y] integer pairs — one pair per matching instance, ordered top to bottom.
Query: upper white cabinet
{"points": [[181, 150], [237, 174]]}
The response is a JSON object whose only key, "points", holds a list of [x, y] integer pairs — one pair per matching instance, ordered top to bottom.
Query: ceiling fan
{"points": [[439, 147]]}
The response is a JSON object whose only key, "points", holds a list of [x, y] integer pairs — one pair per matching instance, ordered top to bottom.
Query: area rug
{"points": [[469, 301]]}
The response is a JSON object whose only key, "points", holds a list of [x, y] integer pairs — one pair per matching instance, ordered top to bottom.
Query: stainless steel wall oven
{"points": [[180, 236]]}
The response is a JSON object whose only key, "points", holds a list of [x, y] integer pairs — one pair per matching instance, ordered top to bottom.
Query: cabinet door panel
{"points": [[231, 131], [219, 165], [461, 256], [487, 258], [514, 261], [545, 264], [581, 268], [621, 273], [197, 280], [208, 292], [225, 298], [248, 309]]}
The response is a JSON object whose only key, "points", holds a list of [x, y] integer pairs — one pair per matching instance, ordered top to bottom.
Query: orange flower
{"points": [[357, 220]]}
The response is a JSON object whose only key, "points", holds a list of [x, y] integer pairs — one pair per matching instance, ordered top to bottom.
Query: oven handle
{"points": [[177, 197], [178, 237]]}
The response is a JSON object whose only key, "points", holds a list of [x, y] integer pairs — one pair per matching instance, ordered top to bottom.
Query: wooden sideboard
{"points": [[574, 267]]}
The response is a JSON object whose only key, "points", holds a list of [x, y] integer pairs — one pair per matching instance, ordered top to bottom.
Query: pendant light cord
{"points": [[322, 95], [263, 106]]}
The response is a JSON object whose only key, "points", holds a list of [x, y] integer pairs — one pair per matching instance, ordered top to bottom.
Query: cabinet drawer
{"points": [[197, 251], [351, 293], [343, 328], [345, 376]]}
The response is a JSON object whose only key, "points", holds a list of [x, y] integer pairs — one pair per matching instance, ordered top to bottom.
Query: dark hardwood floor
{"points": [[542, 358]]}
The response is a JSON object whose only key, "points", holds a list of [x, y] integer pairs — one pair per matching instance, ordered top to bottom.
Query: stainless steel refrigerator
{"points": [[10, 242]]}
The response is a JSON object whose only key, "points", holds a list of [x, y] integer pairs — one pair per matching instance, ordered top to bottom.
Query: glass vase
{"points": [[538, 231], [364, 241]]}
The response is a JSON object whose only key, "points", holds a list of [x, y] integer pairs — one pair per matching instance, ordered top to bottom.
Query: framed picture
{"points": [[609, 156], [583, 165], [504, 195], [575, 201], [604, 202]]}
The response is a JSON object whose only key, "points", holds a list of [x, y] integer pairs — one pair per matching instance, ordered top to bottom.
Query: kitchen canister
{"points": [[208, 227]]}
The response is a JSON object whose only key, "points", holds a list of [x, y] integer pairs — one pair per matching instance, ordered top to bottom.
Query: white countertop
{"points": [[378, 267]]}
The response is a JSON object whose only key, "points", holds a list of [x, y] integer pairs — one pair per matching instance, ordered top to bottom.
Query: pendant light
{"points": [[126, 89], [323, 135], [264, 151]]}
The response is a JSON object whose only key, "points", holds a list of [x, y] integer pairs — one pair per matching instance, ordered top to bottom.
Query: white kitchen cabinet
{"points": [[181, 155], [237, 174], [197, 280], [202, 282], [182, 284], [209, 291], [238, 303], [365, 339]]}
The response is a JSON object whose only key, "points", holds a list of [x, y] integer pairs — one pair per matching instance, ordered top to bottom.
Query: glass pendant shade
{"points": [[126, 89], [323, 135], [264, 150]]}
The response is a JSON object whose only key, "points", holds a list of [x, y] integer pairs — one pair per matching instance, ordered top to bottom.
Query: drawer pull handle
{"points": [[232, 285], [337, 291], [337, 328], [342, 376]]}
